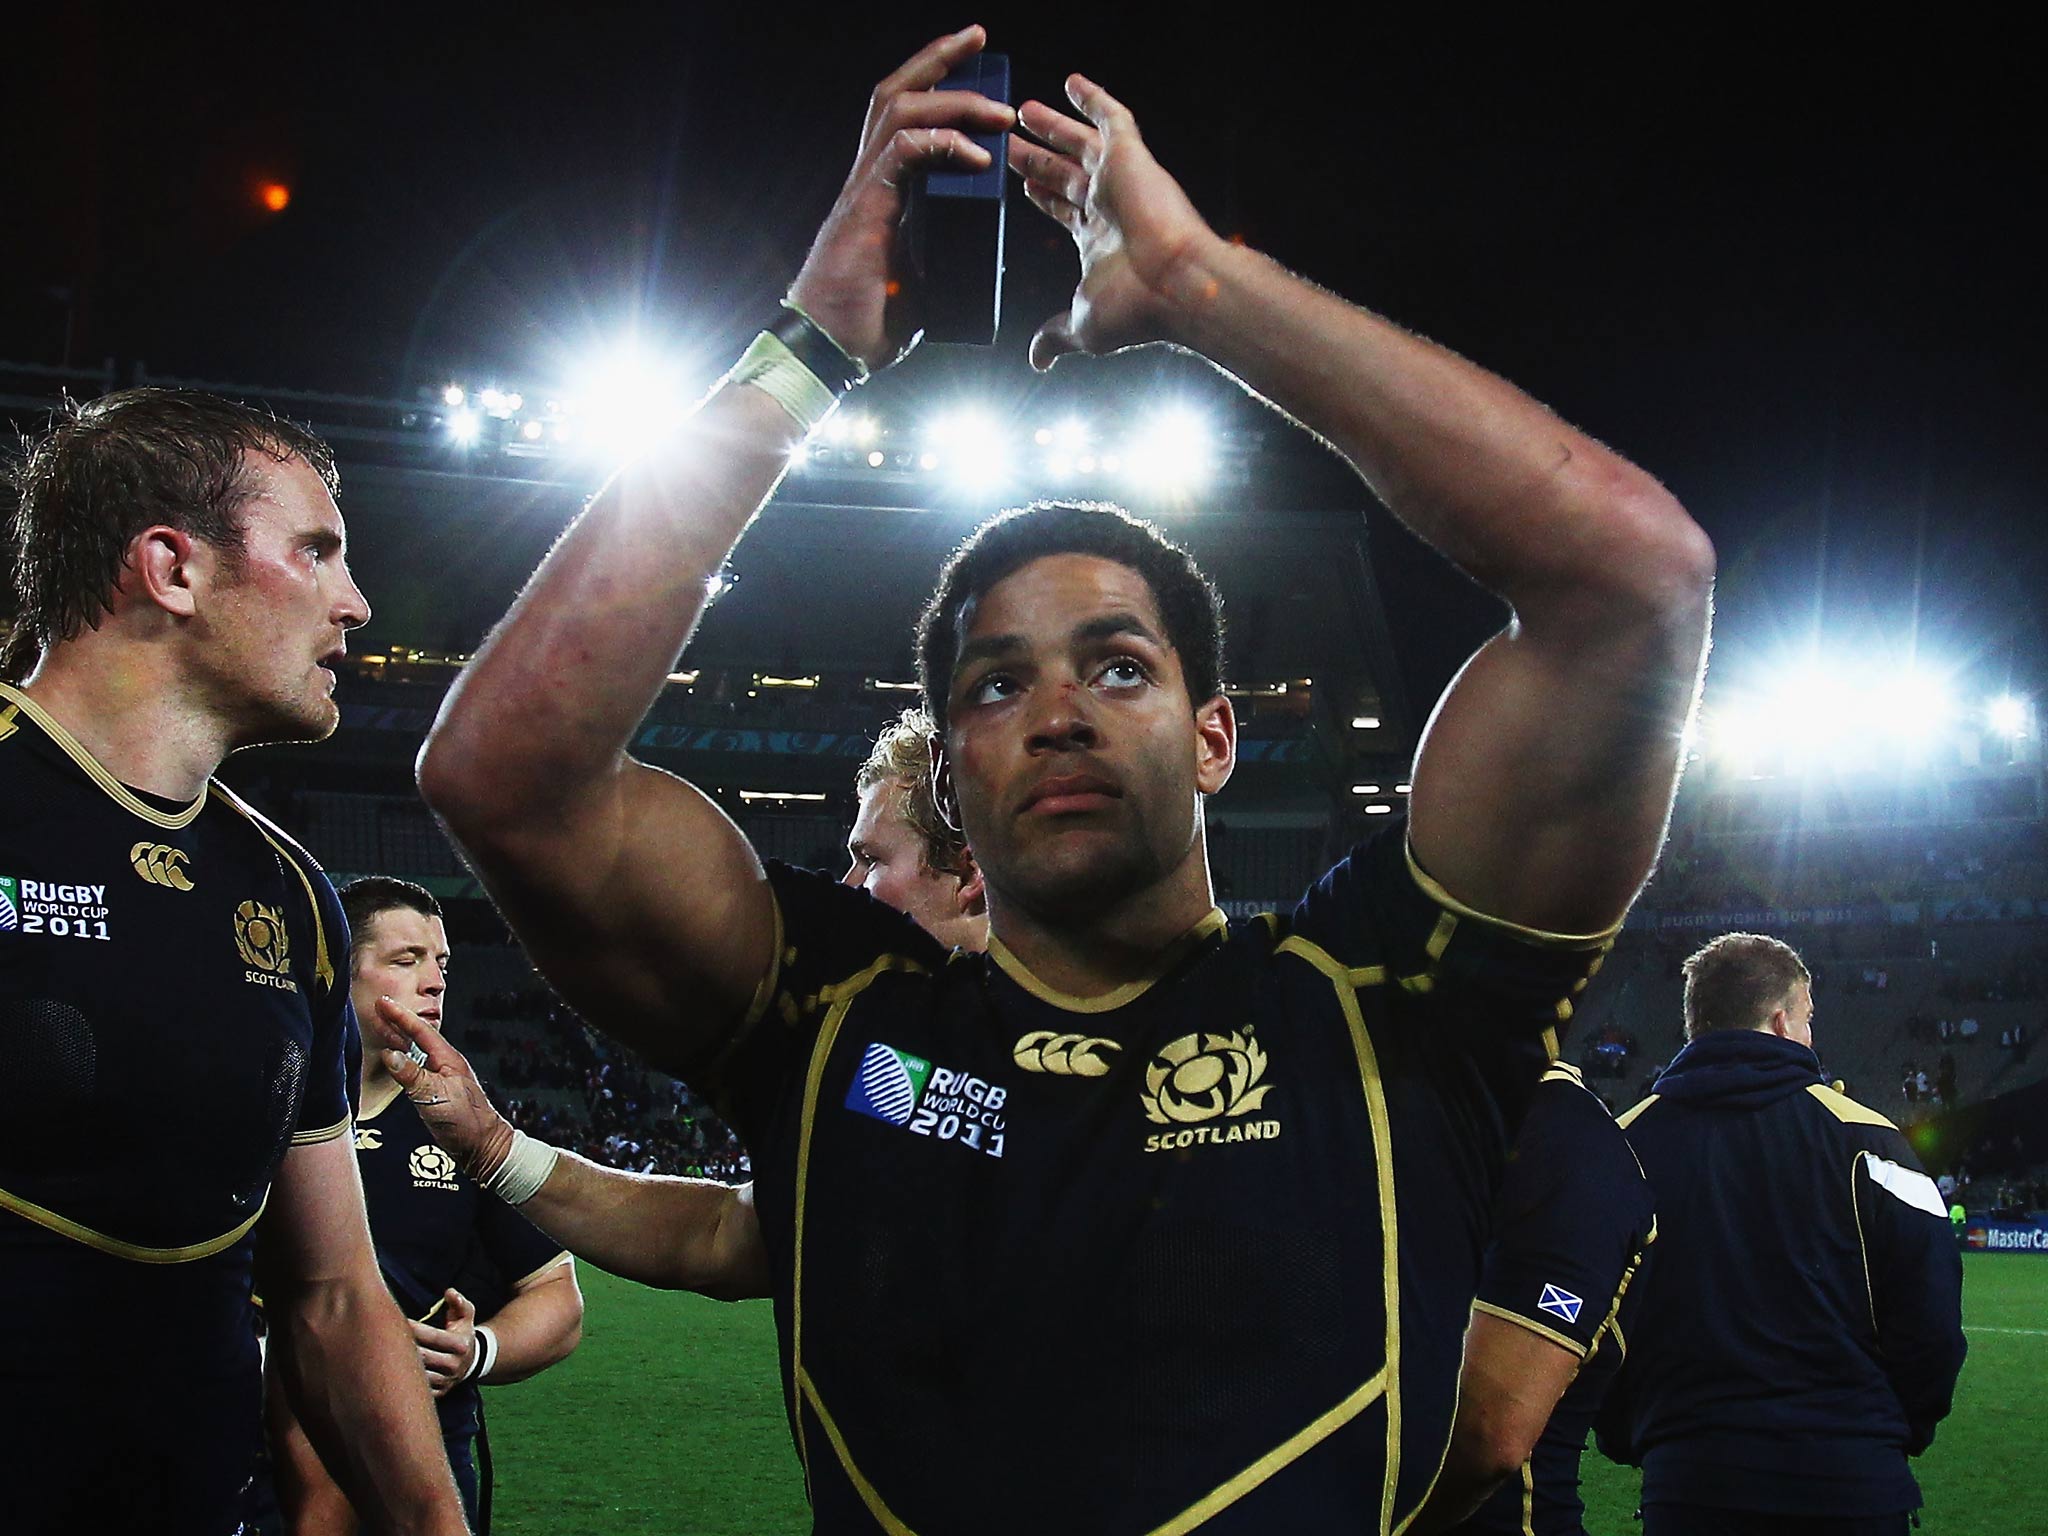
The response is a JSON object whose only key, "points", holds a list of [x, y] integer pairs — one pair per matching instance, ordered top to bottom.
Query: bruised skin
{"points": [[1078, 759]]}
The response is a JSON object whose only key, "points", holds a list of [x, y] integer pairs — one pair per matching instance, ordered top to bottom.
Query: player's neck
{"points": [[135, 721], [1112, 949], [378, 1087]]}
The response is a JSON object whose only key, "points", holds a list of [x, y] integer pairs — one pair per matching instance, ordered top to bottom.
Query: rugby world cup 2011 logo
{"points": [[10, 904], [888, 1083]]}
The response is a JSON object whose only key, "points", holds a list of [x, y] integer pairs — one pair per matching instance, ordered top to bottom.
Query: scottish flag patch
{"points": [[1559, 1302]]}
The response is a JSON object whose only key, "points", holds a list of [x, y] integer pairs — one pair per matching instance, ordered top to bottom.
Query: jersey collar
{"points": [[13, 699], [1211, 923]]}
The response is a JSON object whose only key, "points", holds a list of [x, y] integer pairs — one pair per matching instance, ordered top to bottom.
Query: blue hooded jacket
{"points": [[1801, 1331]]}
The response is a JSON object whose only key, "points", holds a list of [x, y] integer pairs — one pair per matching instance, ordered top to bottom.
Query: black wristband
{"points": [[826, 359]]}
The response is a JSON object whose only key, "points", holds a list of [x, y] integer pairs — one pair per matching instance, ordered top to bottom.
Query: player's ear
{"points": [[161, 569], [1215, 744], [973, 895]]}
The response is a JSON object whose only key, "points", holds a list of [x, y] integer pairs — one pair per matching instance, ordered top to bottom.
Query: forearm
{"points": [[1527, 505], [551, 700], [661, 1231], [538, 1327], [355, 1381]]}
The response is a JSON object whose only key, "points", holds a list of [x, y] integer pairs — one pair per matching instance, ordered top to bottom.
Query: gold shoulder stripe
{"points": [[7, 725], [118, 792], [296, 858], [1212, 923], [1544, 936], [1328, 964], [1562, 1072], [1846, 1109], [1628, 1117], [324, 1133], [63, 1226], [1562, 1341]]}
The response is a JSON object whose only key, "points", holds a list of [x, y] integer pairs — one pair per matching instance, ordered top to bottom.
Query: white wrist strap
{"points": [[525, 1169], [484, 1356]]}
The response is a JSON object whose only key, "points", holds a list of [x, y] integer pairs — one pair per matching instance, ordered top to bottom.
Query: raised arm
{"points": [[1545, 779], [637, 897], [676, 1234], [342, 1349]]}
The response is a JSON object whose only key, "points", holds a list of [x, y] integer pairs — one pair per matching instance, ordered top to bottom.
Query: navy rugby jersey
{"points": [[171, 1025], [435, 1228], [1571, 1232], [1197, 1252]]}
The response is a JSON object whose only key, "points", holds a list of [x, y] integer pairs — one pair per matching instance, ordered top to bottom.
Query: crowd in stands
{"points": [[1704, 874], [601, 1099]]}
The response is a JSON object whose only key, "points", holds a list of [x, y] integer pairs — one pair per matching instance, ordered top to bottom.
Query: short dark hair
{"points": [[104, 471], [1189, 606], [374, 895], [1738, 981]]}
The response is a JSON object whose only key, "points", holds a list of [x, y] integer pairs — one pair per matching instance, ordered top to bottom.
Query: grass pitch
{"points": [[669, 1420]]}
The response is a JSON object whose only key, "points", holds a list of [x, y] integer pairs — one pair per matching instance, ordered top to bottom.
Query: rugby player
{"points": [[180, 1051], [1191, 1214], [433, 1228], [696, 1234], [1557, 1301], [1802, 1329]]}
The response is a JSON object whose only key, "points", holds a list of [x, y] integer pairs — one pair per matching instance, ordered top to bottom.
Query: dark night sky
{"points": [[1793, 272]]}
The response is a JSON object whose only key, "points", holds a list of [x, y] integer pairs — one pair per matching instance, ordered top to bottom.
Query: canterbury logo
{"points": [[161, 864], [260, 936], [1065, 1055], [1201, 1076], [368, 1138]]}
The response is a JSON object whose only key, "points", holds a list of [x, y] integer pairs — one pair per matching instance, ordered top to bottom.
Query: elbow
{"points": [[1661, 562]]}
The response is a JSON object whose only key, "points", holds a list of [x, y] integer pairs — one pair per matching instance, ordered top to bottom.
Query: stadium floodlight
{"points": [[453, 395], [626, 399], [465, 427], [531, 431], [968, 447], [1172, 453], [877, 459], [2009, 715], [1365, 722], [1365, 789], [1404, 789], [1379, 810]]}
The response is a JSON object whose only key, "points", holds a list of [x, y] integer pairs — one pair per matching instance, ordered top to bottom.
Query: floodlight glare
{"points": [[453, 395], [627, 399], [465, 427], [531, 431], [970, 446], [1172, 453], [877, 459], [2009, 715]]}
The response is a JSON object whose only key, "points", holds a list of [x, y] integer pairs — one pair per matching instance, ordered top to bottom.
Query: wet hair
{"points": [[102, 472], [1189, 606], [902, 758], [374, 895], [1738, 981]]}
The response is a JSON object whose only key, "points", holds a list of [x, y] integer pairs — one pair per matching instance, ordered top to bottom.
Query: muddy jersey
{"points": [[171, 1025], [1195, 1253]]}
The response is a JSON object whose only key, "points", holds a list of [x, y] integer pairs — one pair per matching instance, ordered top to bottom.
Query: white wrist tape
{"points": [[780, 374], [525, 1169]]}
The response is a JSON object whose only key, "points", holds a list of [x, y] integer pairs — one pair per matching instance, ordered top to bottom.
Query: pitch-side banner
{"points": [[2005, 1237]]}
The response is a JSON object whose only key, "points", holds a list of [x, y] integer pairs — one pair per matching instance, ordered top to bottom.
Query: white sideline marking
{"points": [[2039, 1333]]}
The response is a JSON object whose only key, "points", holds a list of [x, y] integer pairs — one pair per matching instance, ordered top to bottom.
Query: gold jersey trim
{"points": [[118, 792], [281, 844], [1212, 922], [1543, 936], [374, 1103], [1846, 1109], [1628, 1117], [323, 1133], [139, 1253], [563, 1260], [1506, 1315]]}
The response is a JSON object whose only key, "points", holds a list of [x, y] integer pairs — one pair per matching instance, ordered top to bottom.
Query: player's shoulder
{"points": [[239, 811], [1845, 1110]]}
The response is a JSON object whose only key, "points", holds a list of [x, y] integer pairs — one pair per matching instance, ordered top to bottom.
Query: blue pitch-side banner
{"points": [[2005, 1237]]}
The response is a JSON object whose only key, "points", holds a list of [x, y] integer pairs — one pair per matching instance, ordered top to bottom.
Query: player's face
{"points": [[280, 612], [1076, 755], [889, 862], [404, 957]]}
